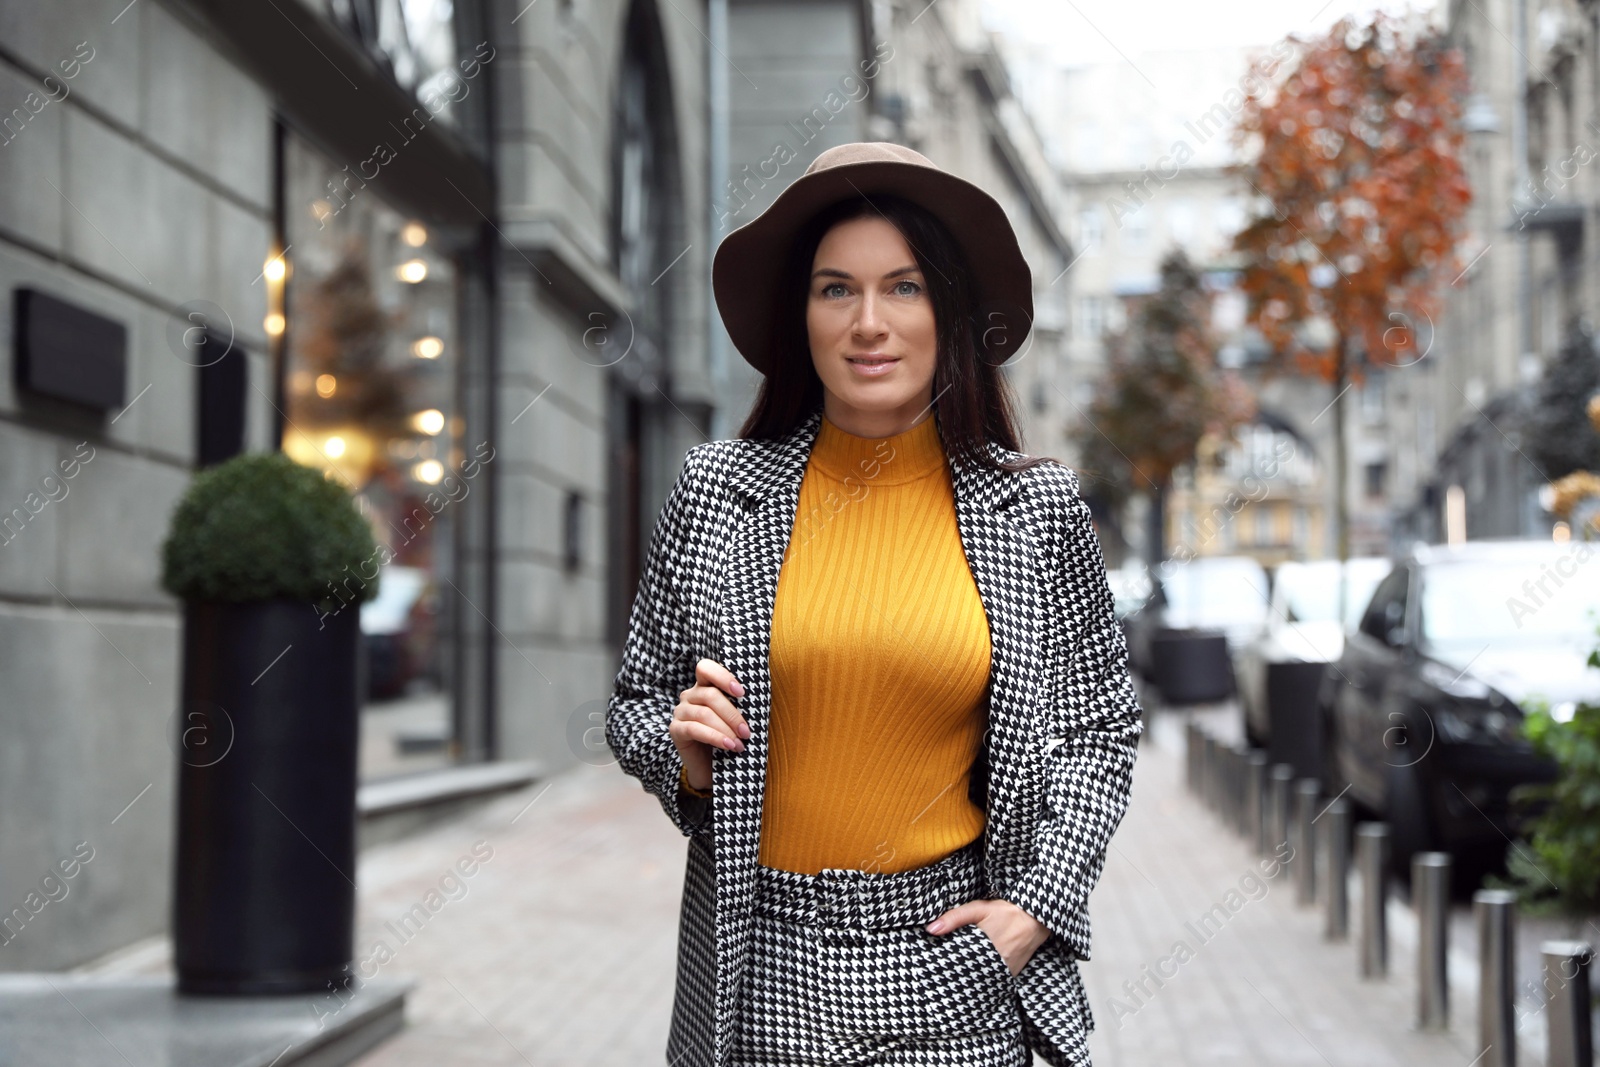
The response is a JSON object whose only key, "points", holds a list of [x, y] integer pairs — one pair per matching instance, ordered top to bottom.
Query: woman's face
{"points": [[871, 327]]}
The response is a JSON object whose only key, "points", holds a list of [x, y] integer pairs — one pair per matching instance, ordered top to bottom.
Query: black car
{"points": [[1423, 710]]}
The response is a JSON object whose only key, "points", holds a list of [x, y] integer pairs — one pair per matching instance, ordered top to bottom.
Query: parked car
{"points": [[1130, 587], [1201, 598], [390, 630], [1303, 632], [1423, 709]]}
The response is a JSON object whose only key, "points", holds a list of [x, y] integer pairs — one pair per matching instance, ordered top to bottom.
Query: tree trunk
{"points": [[1341, 515], [1155, 527]]}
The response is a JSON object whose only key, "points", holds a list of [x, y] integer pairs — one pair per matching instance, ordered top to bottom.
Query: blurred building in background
{"points": [[811, 74], [1144, 148], [454, 254], [1505, 316]]}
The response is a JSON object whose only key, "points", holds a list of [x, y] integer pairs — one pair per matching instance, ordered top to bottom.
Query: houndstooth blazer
{"points": [[1056, 764]]}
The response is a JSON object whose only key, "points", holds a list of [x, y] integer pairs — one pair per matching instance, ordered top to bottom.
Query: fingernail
{"points": [[738, 688], [744, 731], [729, 742], [936, 926]]}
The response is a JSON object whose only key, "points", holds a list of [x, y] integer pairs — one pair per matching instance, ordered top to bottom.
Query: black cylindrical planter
{"points": [[264, 893]]}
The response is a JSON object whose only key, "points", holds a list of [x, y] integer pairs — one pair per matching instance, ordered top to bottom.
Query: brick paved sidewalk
{"points": [[561, 950], [1265, 988]]}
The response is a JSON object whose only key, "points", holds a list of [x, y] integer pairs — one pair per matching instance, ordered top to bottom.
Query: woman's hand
{"points": [[705, 717], [1014, 932]]}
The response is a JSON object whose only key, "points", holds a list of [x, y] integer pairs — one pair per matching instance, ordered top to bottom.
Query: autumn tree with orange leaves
{"points": [[1354, 152], [1163, 391]]}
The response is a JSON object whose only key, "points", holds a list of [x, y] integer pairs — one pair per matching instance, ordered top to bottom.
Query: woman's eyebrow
{"points": [[831, 272]]}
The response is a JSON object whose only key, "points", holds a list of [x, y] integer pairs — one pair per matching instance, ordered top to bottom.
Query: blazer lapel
{"points": [[766, 494], [1006, 560]]}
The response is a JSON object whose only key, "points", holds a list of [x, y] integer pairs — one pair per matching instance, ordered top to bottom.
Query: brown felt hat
{"points": [[748, 267]]}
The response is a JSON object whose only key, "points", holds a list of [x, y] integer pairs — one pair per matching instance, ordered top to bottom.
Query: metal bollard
{"points": [[1191, 750], [1233, 762], [1208, 763], [1241, 772], [1213, 773], [1218, 775], [1230, 783], [1307, 793], [1256, 801], [1278, 805], [1247, 826], [1336, 830], [1372, 858], [1430, 902], [1496, 913], [1570, 1041]]}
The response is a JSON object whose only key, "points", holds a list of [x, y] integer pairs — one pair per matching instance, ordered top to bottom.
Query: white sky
{"points": [[1097, 31]]}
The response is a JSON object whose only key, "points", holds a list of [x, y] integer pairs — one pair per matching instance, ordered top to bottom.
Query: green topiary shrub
{"points": [[262, 527]]}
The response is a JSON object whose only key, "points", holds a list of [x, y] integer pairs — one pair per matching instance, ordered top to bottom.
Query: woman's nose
{"points": [[869, 323]]}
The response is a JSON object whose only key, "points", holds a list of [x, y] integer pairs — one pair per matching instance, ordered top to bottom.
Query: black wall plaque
{"points": [[70, 353]]}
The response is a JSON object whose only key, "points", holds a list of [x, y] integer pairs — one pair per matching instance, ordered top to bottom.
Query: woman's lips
{"points": [[871, 366]]}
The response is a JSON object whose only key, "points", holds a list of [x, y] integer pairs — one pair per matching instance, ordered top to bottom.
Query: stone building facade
{"points": [[391, 240], [454, 254]]}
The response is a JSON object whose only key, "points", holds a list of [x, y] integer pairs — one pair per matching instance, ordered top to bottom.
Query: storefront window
{"points": [[415, 40], [369, 349]]}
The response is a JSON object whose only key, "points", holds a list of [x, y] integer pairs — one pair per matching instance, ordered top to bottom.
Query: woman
{"points": [[872, 671]]}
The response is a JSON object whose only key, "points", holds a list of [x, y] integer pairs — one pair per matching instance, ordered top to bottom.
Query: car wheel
{"points": [[1410, 821]]}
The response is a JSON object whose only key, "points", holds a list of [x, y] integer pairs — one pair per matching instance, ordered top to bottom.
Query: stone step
{"points": [[142, 1021]]}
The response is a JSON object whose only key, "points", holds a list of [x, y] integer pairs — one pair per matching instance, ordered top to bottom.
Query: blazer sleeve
{"points": [[658, 663], [1094, 738]]}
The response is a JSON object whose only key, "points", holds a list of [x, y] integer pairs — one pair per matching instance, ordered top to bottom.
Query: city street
{"points": [[404, 399], [561, 951]]}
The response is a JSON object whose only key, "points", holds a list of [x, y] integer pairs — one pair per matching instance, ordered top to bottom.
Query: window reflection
{"points": [[414, 39], [369, 356]]}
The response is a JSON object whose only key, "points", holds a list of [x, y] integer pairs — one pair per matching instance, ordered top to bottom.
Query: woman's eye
{"points": [[906, 288], [828, 290]]}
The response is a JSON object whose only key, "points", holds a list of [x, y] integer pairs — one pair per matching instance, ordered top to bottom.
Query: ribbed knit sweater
{"points": [[880, 662]]}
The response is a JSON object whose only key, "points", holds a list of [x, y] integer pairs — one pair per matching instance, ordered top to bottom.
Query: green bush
{"points": [[262, 527], [1556, 868]]}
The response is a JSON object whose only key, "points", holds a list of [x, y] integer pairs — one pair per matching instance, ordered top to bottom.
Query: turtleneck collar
{"points": [[902, 457]]}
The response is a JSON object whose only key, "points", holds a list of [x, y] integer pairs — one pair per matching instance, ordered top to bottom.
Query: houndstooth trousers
{"points": [[843, 972]]}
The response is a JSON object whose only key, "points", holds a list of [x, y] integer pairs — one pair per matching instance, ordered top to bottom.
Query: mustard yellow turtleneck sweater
{"points": [[880, 660]]}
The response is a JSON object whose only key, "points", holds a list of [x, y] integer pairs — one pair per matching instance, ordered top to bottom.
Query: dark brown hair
{"points": [[973, 400]]}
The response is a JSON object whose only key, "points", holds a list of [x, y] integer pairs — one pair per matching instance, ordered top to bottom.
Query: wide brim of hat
{"points": [[747, 269]]}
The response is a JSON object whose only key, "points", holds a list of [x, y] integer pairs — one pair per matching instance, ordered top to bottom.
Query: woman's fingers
{"points": [[710, 672], [713, 675], [694, 721], [690, 731], [960, 915]]}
